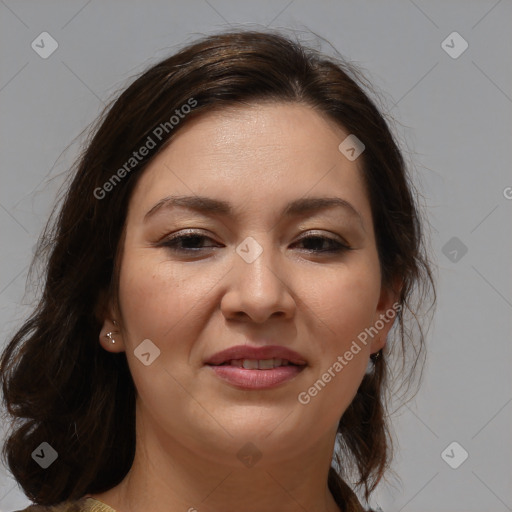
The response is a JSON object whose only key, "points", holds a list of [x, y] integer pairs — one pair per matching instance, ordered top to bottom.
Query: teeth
{"points": [[250, 364], [258, 364], [266, 364]]}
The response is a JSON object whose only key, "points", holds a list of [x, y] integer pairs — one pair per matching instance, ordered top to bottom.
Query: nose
{"points": [[258, 290]]}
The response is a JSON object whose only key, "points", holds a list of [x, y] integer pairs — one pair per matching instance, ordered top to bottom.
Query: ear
{"points": [[386, 312], [111, 335]]}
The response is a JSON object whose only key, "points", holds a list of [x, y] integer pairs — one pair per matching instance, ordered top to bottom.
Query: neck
{"points": [[168, 475]]}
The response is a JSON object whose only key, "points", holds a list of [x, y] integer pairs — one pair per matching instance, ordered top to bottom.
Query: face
{"points": [[260, 264]]}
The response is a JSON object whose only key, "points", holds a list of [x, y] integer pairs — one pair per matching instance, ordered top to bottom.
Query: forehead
{"points": [[259, 132], [257, 155]]}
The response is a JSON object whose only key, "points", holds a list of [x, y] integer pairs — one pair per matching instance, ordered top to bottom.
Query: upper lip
{"points": [[256, 353]]}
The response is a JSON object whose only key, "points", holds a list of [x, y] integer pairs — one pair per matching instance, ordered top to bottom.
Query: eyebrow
{"points": [[208, 205]]}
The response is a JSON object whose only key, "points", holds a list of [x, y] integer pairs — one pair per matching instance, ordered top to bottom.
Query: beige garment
{"points": [[86, 504]]}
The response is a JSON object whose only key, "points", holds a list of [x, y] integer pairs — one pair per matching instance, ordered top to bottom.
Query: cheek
{"points": [[156, 296], [158, 303], [345, 303], [168, 304], [346, 307]]}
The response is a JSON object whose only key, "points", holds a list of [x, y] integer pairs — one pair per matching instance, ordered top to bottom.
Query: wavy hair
{"points": [[60, 386]]}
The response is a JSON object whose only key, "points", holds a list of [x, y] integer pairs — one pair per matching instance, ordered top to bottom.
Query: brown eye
{"points": [[188, 242], [323, 244]]}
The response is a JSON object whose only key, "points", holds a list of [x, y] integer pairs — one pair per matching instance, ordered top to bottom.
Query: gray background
{"points": [[454, 120]]}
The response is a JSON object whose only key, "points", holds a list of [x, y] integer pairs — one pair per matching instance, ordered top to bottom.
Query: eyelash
{"points": [[172, 242]]}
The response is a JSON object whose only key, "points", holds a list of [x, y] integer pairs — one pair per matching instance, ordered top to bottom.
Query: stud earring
{"points": [[109, 336], [375, 357], [370, 368]]}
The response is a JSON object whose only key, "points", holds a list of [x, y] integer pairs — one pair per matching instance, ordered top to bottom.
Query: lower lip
{"points": [[256, 379]]}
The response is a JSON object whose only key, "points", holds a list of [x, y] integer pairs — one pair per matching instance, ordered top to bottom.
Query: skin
{"points": [[190, 423]]}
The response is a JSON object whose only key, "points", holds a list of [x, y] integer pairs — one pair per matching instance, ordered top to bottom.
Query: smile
{"points": [[257, 364], [256, 374]]}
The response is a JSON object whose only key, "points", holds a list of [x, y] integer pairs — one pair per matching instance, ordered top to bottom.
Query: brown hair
{"points": [[61, 387]]}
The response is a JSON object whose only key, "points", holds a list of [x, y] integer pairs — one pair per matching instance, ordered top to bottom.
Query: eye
{"points": [[194, 241], [187, 242], [323, 244]]}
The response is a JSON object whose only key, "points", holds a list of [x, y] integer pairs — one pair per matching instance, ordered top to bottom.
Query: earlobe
{"points": [[110, 336]]}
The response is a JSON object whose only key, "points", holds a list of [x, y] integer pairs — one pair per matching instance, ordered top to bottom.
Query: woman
{"points": [[237, 241]]}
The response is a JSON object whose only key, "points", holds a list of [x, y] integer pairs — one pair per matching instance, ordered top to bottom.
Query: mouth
{"points": [[254, 356], [257, 364], [256, 368]]}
